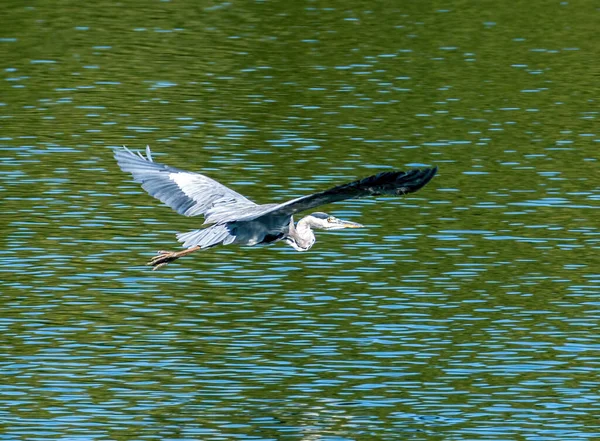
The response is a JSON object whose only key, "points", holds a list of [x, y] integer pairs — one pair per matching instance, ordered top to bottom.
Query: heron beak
{"points": [[348, 224]]}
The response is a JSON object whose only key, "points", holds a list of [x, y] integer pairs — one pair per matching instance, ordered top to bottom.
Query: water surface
{"points": [[466, 311]]}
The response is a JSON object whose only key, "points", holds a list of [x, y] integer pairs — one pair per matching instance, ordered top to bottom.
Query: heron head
{"points": [[325, 221]]}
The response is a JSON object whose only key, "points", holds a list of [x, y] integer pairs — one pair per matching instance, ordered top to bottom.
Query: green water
{"points": [[466, 311]]}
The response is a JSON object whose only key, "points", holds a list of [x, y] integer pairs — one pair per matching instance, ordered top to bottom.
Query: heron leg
{"points": [[164, 257]]}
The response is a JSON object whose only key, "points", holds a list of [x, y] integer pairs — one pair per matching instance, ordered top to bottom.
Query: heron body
{"points": [[234, 219]]}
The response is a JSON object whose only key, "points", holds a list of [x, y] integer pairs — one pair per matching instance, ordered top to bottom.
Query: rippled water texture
{"points": [[466, 311]]}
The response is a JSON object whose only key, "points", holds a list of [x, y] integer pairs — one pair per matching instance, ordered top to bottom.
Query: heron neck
{"points": [[304, 226], [302, 235]]}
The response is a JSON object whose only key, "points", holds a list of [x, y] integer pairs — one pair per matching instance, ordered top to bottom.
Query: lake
{"points": [[466, 311]]}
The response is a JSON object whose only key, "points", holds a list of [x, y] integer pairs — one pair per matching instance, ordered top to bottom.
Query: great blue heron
{"points": [[237, 219]]}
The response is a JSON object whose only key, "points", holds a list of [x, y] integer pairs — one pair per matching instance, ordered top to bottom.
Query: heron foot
{"points": [[163, 258]]}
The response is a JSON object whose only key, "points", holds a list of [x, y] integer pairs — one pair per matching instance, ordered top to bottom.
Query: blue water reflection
{"points": [[466, 311]]}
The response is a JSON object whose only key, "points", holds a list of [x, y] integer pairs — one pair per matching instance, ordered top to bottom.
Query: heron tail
{"points": [[207, 237]]}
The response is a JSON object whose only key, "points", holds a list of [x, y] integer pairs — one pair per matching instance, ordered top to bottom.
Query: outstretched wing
{"points": [[394, 183], [190, 194]]}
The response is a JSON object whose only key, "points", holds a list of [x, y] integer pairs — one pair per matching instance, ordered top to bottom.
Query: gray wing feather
{"points": [[394, 183], [190, 194], [226, 213]]}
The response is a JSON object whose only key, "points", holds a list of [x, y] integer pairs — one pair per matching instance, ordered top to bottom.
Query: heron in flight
{"points": [[236, 219]]}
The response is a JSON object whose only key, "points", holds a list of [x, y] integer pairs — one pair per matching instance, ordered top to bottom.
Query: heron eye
{"points": [[330, 219]]}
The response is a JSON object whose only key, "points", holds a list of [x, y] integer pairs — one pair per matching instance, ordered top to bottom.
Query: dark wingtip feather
{"points": [[414, 180], [394, 183]]}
